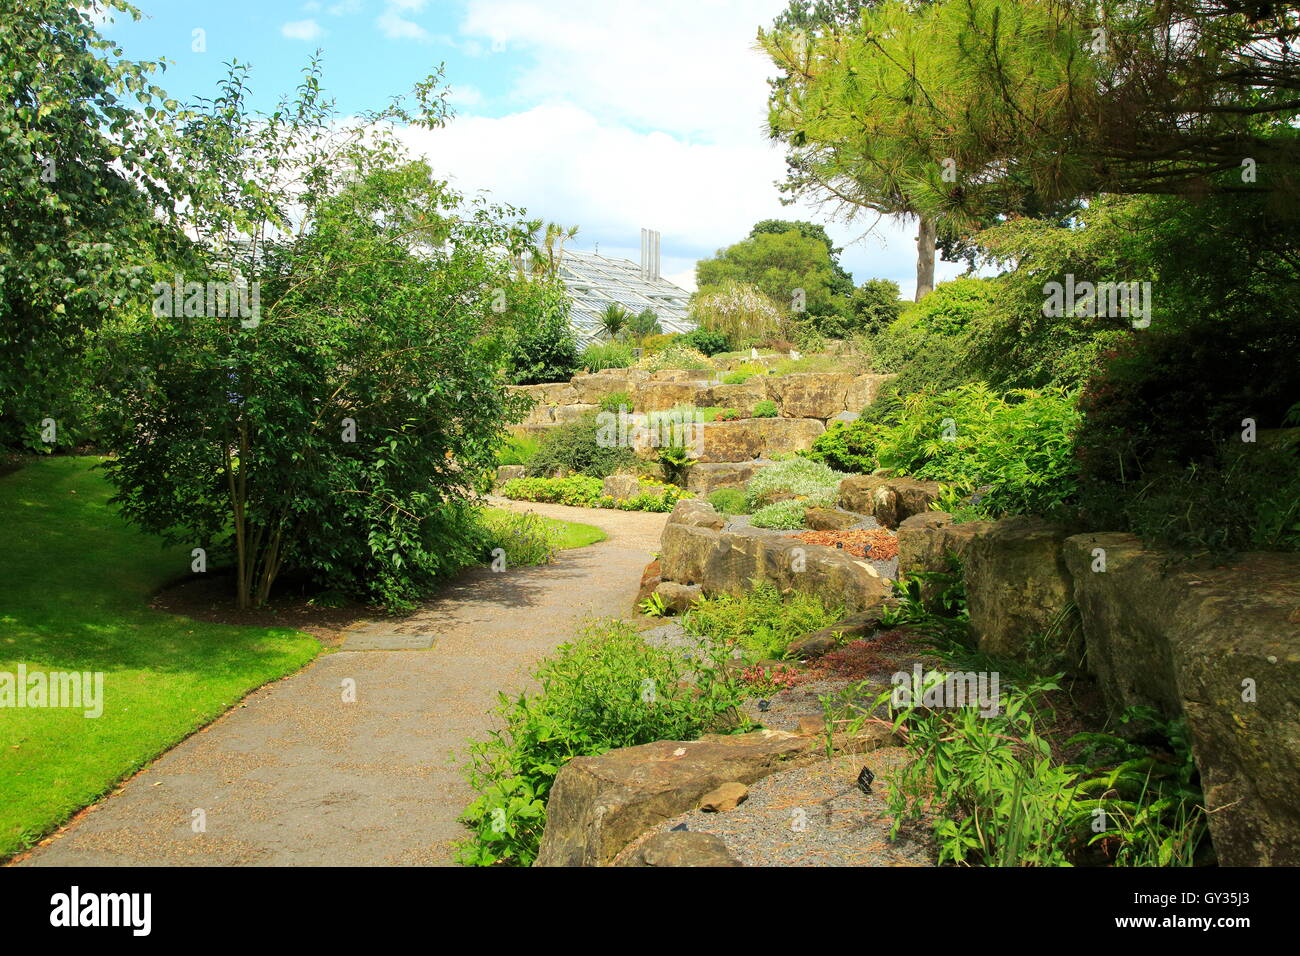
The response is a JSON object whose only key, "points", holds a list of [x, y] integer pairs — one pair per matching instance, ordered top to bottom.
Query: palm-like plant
{"points": [[614, 320]]}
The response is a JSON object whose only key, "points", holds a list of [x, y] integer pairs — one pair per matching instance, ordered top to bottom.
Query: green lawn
{"points": [[572, 534], [75, 582]]}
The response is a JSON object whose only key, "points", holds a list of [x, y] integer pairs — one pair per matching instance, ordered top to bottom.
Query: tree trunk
{"points": [[926, 237]]}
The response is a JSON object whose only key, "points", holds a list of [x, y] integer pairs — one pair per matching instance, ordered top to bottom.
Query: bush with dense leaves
{"points": [[708, 341], [542, 347], [577, 446], [1015, 452], [796, 477], [582, 491], [761, 621], [608, 689]]}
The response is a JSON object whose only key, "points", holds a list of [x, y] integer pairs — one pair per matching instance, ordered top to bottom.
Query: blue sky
{"points": [[608, 114]]}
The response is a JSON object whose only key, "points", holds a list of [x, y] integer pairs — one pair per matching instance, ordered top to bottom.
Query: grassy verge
{"points": [[567, 534], [77, 585]]}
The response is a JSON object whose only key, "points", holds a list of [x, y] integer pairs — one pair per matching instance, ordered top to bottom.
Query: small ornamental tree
{"points": [[335, 424]]}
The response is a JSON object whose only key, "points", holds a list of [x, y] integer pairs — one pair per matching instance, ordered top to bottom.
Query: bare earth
{"points": [[296, 776]]}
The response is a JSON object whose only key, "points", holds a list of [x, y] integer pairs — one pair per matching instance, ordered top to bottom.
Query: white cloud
{"points": [[396, 27], [301, 30], [685, 66], [565, 165]]}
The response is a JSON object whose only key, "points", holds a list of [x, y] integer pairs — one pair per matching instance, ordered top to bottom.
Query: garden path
{"points": [[293, 775]]}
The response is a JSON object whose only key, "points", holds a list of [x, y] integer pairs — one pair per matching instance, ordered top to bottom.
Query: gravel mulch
{"points": [[813, 816]]}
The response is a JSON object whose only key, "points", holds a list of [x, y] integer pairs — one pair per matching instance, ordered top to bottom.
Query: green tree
{"points": [[83, 166], [789, 268], [614, 320], [332, 424]]}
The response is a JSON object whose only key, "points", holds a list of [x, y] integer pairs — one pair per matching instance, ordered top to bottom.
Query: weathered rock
{"points": [[683, 375], [590, 389], [863, 390], [551, 393], [811, 394], [661, 396], [741, 397], [560, 414], [751, 438], [509, 473], [707, 477], [621, 486], [888, 500], [697, 514], [830, 519], [926, 540], [729, 561], [649, 581], [1017, 585], [678, 598], [817, 643], [1221, 646], [811, 726], [724, 798], [599, 805], [682, 848]]}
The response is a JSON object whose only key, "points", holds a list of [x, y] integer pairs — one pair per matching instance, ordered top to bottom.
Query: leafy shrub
{"points": [[954, 307], [708, 341], [657, 343], [542, 347], [602, 355], [675, 356], [616, 401], [765, 408], [727, 415], [848, 446], [576, 447], [517, 450], [1015, 451], [813, 482], [578, 491], [582, 491], [1245, 498], [729, 501], [786, 515], [526, 539], [761, 621], [607, 689]]}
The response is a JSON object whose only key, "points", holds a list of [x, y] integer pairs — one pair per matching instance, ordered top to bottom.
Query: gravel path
{"points": [[296, 776], [813, 816]]}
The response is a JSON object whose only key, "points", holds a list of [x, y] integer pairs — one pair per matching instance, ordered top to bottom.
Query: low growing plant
{"points": [[762, 621], [606, 689]]}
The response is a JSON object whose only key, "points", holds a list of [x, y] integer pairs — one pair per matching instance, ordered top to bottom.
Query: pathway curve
{"points": [[294, 776]]}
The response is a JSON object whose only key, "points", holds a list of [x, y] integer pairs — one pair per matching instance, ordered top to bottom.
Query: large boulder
{"points": [[683, 375], [591, 388], [863, 390], [550, 393], [811, 394], [661, 396], [741, 397], [560, 414], [751, 438], [509, 473], [707, 477], [621, 486], [889, 500], [696, 514], [830, 519], [926, 540], [728, 562], [1017, 585], [678, 598], [818, 643], [1221, 646], [599, 805], [681, 848]]}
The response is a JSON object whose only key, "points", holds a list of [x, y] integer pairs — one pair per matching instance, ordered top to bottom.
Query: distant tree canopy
{"points": [[792, 269]]}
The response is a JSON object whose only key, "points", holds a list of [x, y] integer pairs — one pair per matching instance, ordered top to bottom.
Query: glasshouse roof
{"points": [[594, 282]]}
